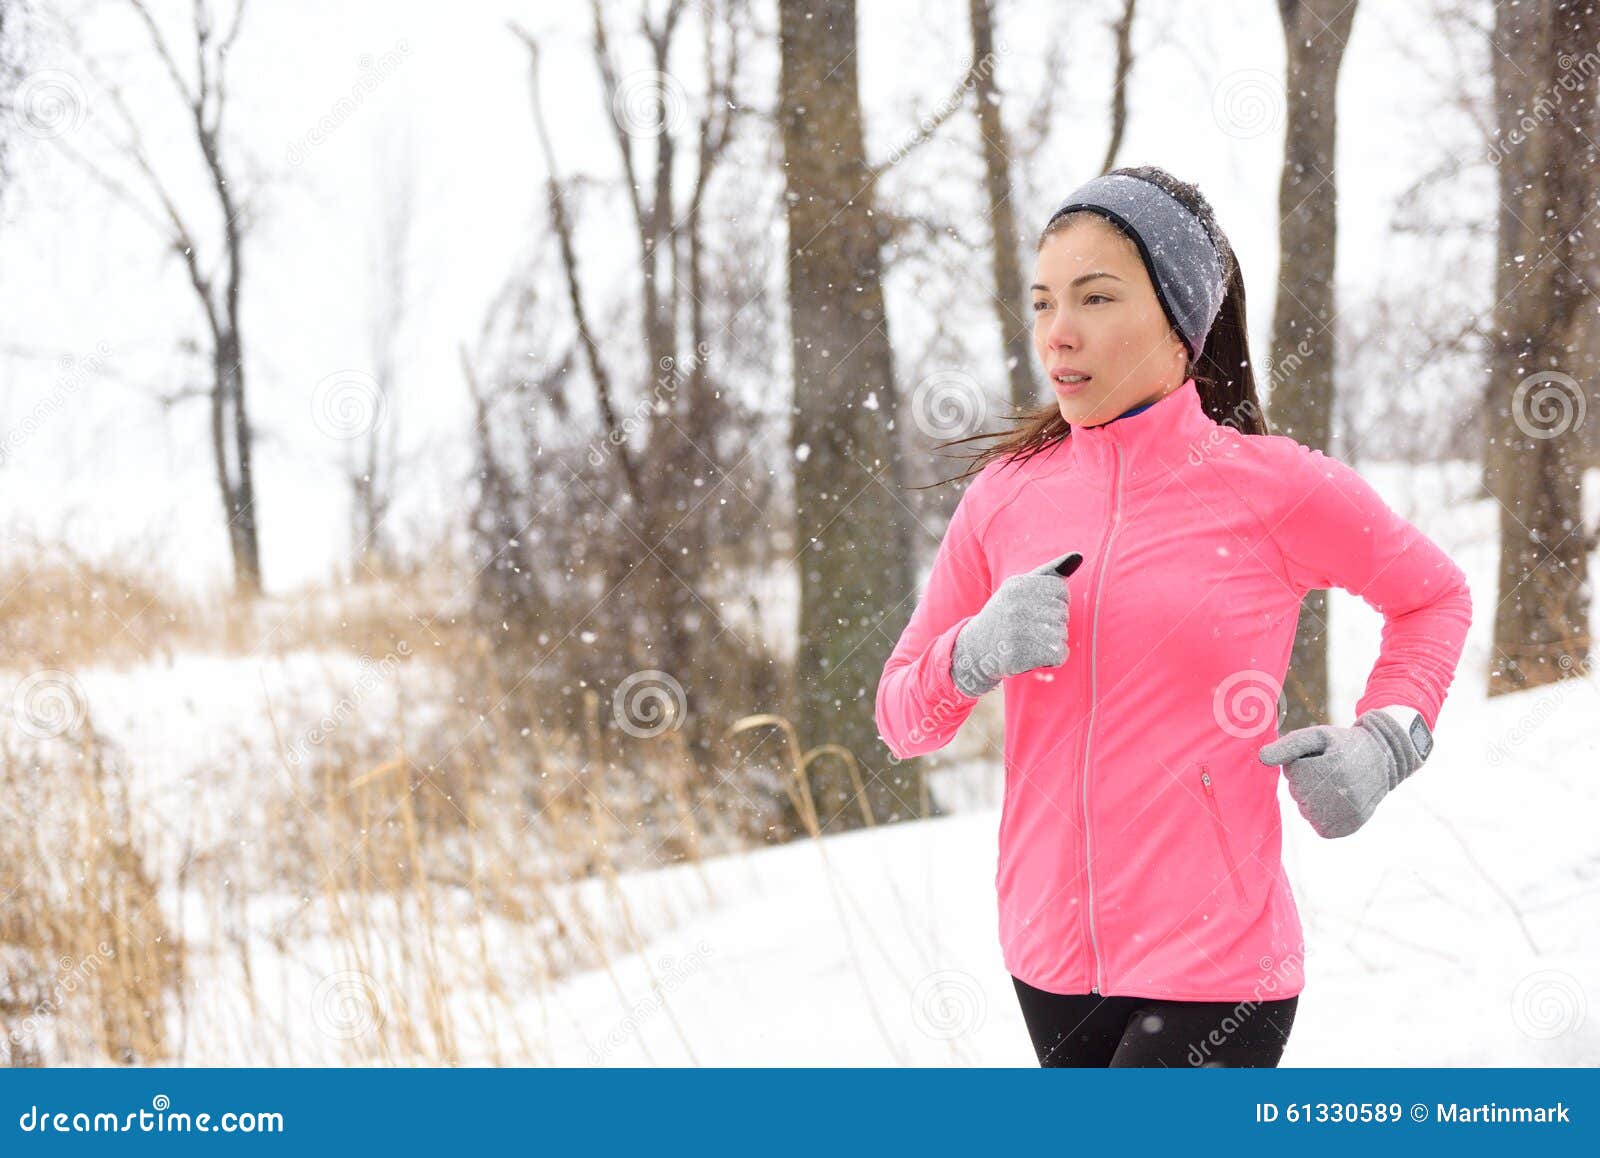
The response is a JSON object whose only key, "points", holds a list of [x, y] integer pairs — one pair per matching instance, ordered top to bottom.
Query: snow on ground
{"points": [[196, 729], [1455, 929]]}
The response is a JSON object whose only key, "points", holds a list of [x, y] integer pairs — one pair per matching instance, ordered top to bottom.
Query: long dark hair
{"points": [[1222, 373]]}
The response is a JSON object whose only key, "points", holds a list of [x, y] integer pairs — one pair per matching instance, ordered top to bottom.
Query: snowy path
{"points": [[1457, 928]]}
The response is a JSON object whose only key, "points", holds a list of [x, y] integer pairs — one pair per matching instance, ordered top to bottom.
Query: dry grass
{"points": [[59, 609], [436, 880], [406, 886], [91, 968]]}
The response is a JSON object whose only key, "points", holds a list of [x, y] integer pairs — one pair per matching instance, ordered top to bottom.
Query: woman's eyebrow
{"points": [[1077, 281]]}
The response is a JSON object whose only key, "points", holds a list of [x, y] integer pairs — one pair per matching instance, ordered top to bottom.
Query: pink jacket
{"points": [[1140, 840]]}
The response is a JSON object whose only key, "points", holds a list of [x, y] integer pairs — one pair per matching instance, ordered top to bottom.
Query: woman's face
{"points": [[1096, 313]]}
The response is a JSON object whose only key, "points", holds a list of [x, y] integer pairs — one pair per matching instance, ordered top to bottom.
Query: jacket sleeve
{"points": [[1334, 530], [919, 708]]}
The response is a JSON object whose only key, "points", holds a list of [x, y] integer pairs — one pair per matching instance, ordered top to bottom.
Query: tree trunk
{"points": [[1315, 33], [1016, 327], [1535, 400], [230, 447], [853, 529]]}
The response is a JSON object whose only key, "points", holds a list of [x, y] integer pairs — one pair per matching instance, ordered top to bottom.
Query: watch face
{"points": [[1421, 737]]}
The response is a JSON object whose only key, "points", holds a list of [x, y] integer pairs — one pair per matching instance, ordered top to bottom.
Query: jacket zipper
{"points": [[1094, 637], [1222, 834]]}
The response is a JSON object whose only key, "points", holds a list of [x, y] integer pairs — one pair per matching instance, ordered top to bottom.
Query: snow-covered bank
{"points": [[1455, 929]]}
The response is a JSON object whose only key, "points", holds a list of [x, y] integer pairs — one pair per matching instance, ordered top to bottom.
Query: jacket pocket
{"points": [[1222, 834]]}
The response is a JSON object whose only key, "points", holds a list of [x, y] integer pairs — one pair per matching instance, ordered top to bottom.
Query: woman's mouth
{"points": [[1069, 383]]}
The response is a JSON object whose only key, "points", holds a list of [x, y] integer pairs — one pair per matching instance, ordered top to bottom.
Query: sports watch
{"points": [[1416, 728]]}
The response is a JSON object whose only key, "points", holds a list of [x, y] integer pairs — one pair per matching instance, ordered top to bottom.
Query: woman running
{"points": [[1145, 916]]}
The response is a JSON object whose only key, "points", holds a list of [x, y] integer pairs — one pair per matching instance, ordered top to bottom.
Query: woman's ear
{"points": [[1180, 352]]}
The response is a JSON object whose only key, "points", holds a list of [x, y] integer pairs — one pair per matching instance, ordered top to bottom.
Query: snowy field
{"points": [[1456, 929]]}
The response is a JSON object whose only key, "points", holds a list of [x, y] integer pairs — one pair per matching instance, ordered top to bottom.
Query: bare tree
{"points": [[15, 31], [1123, 32], [1315, 33], [1001, 161], [1005, 261], [214, 264], [1429, 330], [1543, 349], [651, 460], [371, 468]]}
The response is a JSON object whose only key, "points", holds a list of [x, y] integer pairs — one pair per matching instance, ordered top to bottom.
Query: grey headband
{"points": [[1178, 253]]}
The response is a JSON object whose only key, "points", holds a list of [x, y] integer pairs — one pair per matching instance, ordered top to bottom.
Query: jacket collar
{"points": [[1151, 446]]}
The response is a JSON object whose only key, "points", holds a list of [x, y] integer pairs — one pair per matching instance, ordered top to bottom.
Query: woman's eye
{"points": [[1092, 297], [1037, 306]]}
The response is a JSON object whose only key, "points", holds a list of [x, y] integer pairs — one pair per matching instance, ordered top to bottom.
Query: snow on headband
{"points": [[1182, 260]]}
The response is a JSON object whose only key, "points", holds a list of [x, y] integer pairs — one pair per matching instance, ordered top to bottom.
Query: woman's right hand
{"points": [[1022, 626]]}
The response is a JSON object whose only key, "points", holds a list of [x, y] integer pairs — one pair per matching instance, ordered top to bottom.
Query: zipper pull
{"points": [[1205, 778]]}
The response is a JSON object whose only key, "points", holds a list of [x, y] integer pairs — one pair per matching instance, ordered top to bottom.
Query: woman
{"points": [[1144, 912]]}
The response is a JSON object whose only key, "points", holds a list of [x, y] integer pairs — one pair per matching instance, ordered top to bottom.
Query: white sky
{"points": [[111, 473]]}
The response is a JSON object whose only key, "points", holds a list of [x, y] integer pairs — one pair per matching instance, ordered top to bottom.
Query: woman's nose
{"points": [[1062, 332]]}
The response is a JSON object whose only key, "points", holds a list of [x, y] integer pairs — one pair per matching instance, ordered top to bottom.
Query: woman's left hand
{"points": [[1338, 775]]}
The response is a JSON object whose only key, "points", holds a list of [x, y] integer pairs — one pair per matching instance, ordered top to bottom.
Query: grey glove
{"points": [[1022, 626], [1338, 775]]}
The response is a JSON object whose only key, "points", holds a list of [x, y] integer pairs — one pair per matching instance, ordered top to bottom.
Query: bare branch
{"points": [[1123, 30], [164, 53], [222, 54], [608, 82], [947, 109], [1041, 117], [179, 236], [569, 263]]}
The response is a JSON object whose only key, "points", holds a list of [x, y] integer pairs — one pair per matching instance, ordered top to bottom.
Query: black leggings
{"points": [[1085, 1029]]}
